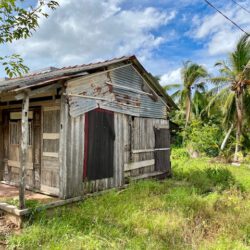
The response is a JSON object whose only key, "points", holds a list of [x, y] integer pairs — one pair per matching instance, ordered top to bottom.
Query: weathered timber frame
{"points": [[24, 151]]}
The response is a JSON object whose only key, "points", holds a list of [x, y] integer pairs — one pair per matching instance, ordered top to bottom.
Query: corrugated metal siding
{"points": [[127, 77], [130, 78], [119, 100], [79, 106]]}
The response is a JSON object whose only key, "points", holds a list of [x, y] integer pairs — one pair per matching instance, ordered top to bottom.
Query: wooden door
{"points": [[13, 139], [162, 150], [50, 151]]}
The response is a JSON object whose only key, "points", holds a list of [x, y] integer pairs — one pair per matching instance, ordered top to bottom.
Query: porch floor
{"points": [[8, 192]]}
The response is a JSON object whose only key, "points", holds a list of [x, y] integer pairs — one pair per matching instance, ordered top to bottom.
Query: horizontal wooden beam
{"points": [[129, 89], [39, 91], [90, 97], [102, 99], [32, 104], [54, 108], [18, 115], [162, 126], [51, 136], [138, 151], [51, 154], [16, 164], [138, 164]]}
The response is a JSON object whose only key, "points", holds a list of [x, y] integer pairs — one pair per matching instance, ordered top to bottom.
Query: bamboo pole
{"points": [[24, 149]]}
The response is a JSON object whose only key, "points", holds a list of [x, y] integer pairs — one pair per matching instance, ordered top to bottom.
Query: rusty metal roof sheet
{"points": [[33, 80], [14, 83]]}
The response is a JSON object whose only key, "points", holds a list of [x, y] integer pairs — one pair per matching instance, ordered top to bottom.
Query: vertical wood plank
{"points": [[6, 145], [1, 147], [63, 147], [37, 149], [24, 150]]}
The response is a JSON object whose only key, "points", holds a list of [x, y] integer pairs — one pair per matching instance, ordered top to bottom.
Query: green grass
{"points": [[204, 206]]}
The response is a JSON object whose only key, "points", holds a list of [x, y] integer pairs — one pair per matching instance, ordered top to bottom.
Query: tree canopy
{"points": [[17, 22], [226, 104]]}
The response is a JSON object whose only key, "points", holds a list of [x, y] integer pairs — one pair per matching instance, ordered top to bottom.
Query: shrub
{"points": [[203, 138], [179, 154]]}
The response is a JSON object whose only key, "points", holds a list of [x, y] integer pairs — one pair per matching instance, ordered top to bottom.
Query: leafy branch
{"points": [[19, 23]]}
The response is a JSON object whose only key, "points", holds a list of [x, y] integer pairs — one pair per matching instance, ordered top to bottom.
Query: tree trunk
{"points": [[188, 107], [239, 116], [226, 138]]}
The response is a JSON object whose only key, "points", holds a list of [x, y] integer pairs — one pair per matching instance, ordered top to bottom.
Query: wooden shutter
{"points": [[99, 144], [162, 150]]}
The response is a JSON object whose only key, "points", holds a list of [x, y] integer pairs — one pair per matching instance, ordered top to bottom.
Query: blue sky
{"points": [[162, 33]]}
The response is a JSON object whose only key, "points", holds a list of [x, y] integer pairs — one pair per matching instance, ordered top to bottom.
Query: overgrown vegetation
{"points": [[214, 109], [205, 206]]}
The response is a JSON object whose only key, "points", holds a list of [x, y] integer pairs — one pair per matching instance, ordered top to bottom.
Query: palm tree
{"points": [[232, 85], [191, 87]]}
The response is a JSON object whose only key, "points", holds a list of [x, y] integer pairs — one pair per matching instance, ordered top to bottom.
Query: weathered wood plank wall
{"points": [[143, 144], [43, 145], [1, 147], [72, 153], [74, 156]]}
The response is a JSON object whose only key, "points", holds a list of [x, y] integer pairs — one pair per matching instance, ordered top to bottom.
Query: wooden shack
{"points": [[74, 130]]}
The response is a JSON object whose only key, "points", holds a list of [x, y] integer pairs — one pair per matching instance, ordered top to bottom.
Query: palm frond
{"points": [[241, 56], [192, 73], [220, 80], [169, 87], [218, 88], [176, 95], [216, 99]]}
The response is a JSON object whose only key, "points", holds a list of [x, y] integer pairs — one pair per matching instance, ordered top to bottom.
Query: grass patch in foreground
{"points": [[204, 206]]}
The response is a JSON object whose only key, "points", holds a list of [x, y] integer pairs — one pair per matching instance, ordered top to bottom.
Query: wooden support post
{"points": [[24, 149]]}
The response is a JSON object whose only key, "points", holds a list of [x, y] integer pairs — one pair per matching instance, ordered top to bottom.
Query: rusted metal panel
{"points": [[130, 78], [134, 97], [79, 106]]}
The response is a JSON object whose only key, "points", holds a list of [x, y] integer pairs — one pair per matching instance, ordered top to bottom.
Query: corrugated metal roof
{"points": [[33, 80], [14, 83]]}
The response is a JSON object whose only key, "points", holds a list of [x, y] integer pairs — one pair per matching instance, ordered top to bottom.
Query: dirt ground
{"points": [[10, 192], [6, 228]]}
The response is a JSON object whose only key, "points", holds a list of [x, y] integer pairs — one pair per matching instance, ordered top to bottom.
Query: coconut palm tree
{"points": [[232, 87], [189, 90]]}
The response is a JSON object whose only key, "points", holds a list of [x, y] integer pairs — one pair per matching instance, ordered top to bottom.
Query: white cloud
{"points": [[83, 31], [219, 35], [171, 77]]}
